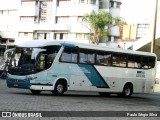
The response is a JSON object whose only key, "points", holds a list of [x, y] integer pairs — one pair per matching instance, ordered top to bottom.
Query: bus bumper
{"points": [[14, 84]]}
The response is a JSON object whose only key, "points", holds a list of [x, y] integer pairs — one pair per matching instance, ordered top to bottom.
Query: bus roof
{"points": [[42, 43]]}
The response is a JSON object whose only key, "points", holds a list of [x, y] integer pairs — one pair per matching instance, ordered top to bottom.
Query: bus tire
{"points": [[59, 88], [127, 91], [36, 92], [104, 94]]}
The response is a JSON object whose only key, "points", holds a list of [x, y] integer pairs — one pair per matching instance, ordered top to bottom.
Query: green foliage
{"points": [[99, 24]]}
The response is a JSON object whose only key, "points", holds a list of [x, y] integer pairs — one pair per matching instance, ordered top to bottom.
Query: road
{"points": [[12, 99]]}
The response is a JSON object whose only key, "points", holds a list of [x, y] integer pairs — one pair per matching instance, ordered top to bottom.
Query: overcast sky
{"points": [[134, 11]]}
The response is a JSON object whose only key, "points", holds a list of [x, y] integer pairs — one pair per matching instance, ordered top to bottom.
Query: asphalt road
{"points": [[12, 99]]}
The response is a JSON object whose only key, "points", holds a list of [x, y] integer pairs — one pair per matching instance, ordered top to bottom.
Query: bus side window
{"points": [[66, 55], [69, 55], [74, 55], [83, 56], [91, 57], [100, 58], [103, 58], [123, 58], [107, 59], [50, 60], [115, 60], [131, 61], [137, 61], [145, 62], [151, 62]]}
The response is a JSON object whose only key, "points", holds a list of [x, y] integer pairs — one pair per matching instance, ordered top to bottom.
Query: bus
{"points": [[60, 66]]}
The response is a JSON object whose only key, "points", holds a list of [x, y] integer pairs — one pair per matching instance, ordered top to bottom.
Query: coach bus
{"points": [[59, 66]]}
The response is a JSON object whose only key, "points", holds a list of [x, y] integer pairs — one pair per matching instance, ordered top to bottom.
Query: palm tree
{"points": [[99, 24]]}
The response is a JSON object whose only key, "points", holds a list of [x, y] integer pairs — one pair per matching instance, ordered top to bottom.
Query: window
{"points": [[81, 1], [92, 1], [63, 2], [28, 3], [100, 4], [111, 4], [118, 5], [4, 12], [27, 19], [62, 19], [79, 19], [142, 30], [26, 34], [43, 35], [61, 36], [79, 36], [86, 36], [69, 55], [87, 56], [91, 57], [46, 58], [100, 58], [103, 58], [115, 59], [123, 60], [131, 61], [134, 61], [137, 61], [148, 62], [151, 62]]}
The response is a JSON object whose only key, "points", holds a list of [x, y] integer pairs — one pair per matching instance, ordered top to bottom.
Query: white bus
{"points": [[59, 66]]}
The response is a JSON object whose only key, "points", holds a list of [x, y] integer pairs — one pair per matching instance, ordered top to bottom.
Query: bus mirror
{"points": [[6, 53]]}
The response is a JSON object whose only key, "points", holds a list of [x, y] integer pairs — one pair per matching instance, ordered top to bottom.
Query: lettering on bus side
{"points": [[140, 74]]}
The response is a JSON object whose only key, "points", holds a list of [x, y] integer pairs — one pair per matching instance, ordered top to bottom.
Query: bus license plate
{"points": [[15, 85]]}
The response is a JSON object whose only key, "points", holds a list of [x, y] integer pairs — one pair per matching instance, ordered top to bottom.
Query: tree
{"points": [[99, 24]]}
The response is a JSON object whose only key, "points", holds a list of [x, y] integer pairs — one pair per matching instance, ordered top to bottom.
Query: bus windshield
{"points": [[25, 61]]}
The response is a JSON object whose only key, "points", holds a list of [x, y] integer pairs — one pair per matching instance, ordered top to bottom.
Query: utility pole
{"points": [[154, 29]]}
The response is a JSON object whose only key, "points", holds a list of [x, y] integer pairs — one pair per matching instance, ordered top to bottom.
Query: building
{"points": [[114, 10], [22, 20], [8, 22], [142, 29], [128, 32], [131, 33]]}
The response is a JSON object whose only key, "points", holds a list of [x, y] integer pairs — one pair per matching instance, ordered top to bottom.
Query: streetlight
{"points": [[154, 29]]}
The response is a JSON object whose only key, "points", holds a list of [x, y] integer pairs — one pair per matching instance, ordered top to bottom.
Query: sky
{"points": [[134, 11]]}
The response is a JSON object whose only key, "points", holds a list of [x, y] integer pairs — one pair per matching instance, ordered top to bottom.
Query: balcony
{"points": [[76, 10], [29, 11], [61, 27]]}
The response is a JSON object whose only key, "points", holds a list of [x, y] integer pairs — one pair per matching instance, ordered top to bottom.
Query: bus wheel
{"points": [[59, 88], [127, 90], [36, 92], [104, 94]]}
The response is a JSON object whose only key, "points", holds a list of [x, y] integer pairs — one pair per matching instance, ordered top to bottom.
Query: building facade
{"points": [[23, 20]]}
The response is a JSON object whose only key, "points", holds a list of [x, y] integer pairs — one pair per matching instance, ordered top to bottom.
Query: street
{"points": [[12, 99]]}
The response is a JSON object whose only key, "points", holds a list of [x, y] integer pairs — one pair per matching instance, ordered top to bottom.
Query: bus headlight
{"points": [[31, 78]]}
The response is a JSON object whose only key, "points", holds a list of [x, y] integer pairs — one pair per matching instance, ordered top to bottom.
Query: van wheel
{"points": [[59, 88], [127, 91], [36, 92]]}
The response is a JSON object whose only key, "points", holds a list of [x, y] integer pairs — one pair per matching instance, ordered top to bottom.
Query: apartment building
{"points": [[22, 20], [8, 22]]}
